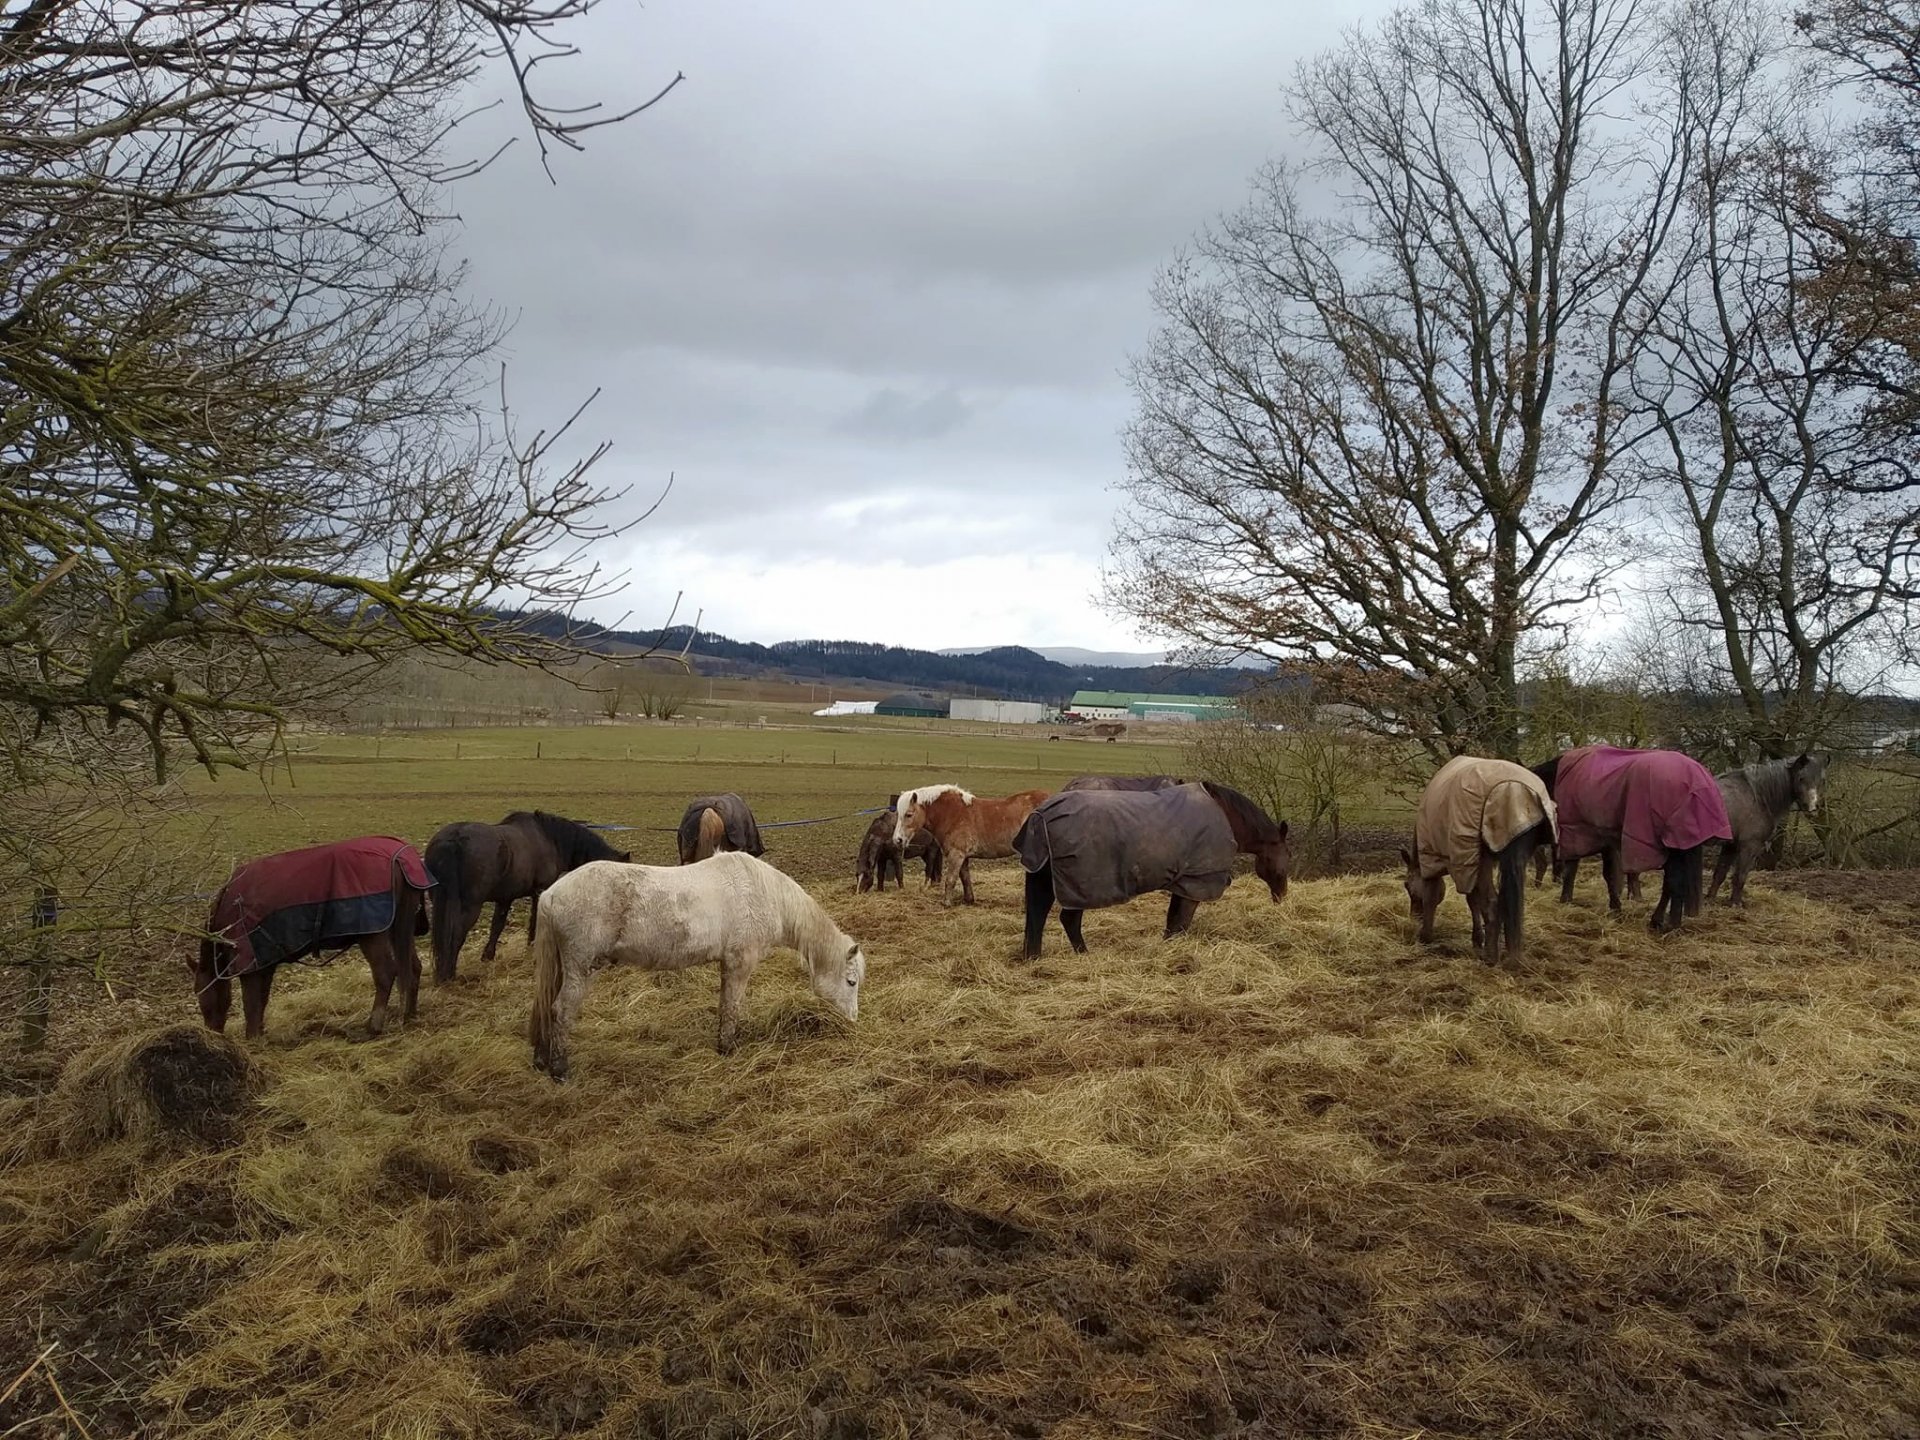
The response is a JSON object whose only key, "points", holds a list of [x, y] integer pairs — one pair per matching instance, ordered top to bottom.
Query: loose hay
{"points": [[1290, 1175]]}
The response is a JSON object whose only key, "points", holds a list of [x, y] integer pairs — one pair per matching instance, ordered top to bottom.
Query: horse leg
{"points": [[1720, 867], [1742, 867], [1568, 869], [1610, 872], [966, 879], [1633, 886], [1039, 903], [502, 912], [533, 916], [1179, 916], [1070, 922], [406, 958], [380, 960], [734, 971], [255, 986]]}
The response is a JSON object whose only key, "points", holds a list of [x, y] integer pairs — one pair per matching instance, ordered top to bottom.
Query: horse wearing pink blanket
{"points": [[1639, 810]]}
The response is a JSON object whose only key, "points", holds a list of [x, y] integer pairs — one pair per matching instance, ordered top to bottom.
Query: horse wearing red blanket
{"points": [[1638, 810], [369, 892]]}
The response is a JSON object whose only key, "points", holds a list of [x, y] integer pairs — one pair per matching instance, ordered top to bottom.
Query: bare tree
{"points": [[245, 414], [1379, 421], [247, 429], [1798, 513]]}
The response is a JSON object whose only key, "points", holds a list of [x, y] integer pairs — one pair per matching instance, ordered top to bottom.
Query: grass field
{"points": [[412, 783], [1289, 1175]]}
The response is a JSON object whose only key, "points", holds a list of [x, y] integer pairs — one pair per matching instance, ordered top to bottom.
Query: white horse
{"points": [[729, 910]]}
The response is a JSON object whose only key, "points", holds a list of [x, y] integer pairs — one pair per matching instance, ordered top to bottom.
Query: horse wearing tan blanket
{"points": [[1477, 817]]}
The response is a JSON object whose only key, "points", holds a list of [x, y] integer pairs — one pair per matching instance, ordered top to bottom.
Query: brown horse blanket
{"points": [[1123, 782], [1650, 801], [1471, 803], [742, 832], [1107, 846], [282, 906]]}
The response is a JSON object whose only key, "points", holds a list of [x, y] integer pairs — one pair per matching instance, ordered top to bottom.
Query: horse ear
{"points": [[1283, 829], [1405, 858], [853, 948]]}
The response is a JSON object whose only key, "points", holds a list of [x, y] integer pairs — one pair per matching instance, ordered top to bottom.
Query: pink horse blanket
{"points": [[1649, 801], [281, 907]]}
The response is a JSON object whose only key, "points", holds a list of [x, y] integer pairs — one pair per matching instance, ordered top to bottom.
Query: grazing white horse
{"points": [[729, 910]]}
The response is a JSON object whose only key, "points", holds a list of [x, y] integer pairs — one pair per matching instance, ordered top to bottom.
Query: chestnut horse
{"points": [[964, 826]]}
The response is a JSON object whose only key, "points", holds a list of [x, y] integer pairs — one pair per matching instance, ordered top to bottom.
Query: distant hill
{"points": [[1075, 657], [1010, 671]]}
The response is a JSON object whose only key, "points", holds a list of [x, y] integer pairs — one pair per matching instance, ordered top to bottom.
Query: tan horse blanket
{"points": [[1650, 801], [1472, 803], [742, 831], [1107, 846]]}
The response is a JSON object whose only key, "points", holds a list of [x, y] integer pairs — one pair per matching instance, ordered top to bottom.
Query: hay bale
{"points": [[179, 1083]]}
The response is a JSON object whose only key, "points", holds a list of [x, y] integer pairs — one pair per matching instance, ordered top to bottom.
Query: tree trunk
{"points": [[39, 1006]]}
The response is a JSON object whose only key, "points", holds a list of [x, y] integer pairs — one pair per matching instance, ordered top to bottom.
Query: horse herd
{"points": [[1098, 841]]}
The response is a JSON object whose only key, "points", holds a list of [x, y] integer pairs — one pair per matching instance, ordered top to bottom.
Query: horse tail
{"points": [[713, 833], [444, 863], [1509, 905], [546, 991]]}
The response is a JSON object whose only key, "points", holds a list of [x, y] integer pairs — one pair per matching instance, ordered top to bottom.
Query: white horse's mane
{"points": [[926, 793]]}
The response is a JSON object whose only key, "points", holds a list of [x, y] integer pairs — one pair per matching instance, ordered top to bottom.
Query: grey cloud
{"points": [[871, 276], [891, 414]]}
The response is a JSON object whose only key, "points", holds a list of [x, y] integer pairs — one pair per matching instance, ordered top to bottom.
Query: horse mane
{"points": [[1549, 773], [1770, 782], [927, 793], [1257, 821], [577, 843], [809, 928]]}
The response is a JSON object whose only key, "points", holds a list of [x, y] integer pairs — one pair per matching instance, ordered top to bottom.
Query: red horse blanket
{"points": [[1650, 801], [1107, 846], [281, 907]]}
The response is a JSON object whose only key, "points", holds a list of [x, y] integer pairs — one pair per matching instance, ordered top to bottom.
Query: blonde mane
{"points": [[926, 793]]}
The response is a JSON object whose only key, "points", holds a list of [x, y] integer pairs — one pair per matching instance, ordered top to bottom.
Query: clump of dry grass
{"points": [[178, 1083], [1287, 1175]]}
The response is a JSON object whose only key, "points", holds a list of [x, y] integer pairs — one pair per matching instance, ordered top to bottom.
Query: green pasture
{"points": [[412, 782]]}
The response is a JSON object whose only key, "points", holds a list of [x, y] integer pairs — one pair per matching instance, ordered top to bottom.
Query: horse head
{"points": [[1808, 774], [1272, 860], [1423, 894], [836, 978]]}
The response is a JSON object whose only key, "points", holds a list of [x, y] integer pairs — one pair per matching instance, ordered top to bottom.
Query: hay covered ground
{"points": [[1288, 1175]]}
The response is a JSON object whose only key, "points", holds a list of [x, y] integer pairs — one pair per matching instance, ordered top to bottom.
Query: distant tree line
{"points": [[1011, 671]]}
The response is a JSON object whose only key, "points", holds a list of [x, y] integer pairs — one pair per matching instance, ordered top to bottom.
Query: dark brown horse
{"points": [[1123, 782], [1092, 848], [881, 853], [476, 863], [283, 908]]}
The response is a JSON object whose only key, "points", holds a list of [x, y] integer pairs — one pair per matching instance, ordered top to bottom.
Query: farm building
{"points": [[917, 703], [1128, 705], [1002, 712]]}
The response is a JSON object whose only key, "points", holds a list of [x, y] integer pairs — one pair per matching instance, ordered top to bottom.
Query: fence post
{"points": [[536, 749], [33, 1023]]}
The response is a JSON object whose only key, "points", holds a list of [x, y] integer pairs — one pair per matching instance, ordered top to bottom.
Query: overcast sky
{"points": [[866, 284]]}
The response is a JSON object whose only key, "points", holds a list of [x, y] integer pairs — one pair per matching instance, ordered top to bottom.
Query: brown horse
{"points": [[1478, 820], [718, 822], [965, 827], [1089, 849], [881, 854], [476, 863], [283, 908]]}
